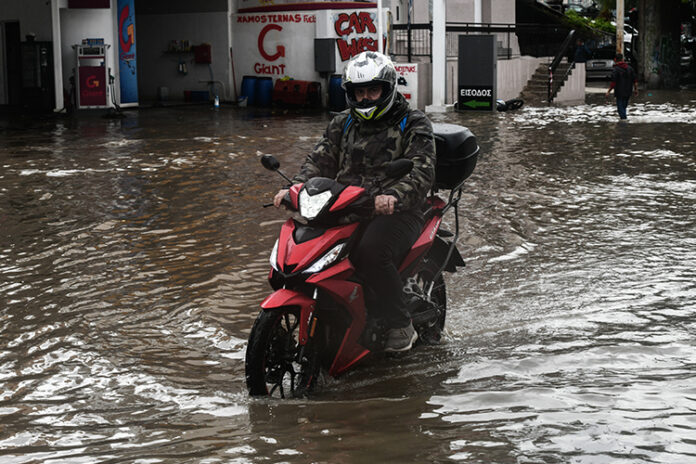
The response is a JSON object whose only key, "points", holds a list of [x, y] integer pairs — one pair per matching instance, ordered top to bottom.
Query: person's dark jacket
{"points": [[582, 54], [623, 78], [356, 152]]}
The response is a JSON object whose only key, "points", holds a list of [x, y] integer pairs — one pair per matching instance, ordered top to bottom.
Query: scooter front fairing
{"points": [[293, 264]]}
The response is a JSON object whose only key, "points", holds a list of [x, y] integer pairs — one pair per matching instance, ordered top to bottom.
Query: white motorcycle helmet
{"points": [[370, 68]]}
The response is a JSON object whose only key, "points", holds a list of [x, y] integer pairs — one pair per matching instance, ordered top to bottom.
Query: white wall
{"points": [[460, 11], [499, 11], [34, 16], [82, 23], [159, 69], [514, 74], [511, 77], [573, 91]]}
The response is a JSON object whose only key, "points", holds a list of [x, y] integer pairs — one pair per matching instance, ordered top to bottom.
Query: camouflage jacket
{"points": [[356, 152]]}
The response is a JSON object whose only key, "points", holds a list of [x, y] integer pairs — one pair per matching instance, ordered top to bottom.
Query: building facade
{"points": [[180, 50]]}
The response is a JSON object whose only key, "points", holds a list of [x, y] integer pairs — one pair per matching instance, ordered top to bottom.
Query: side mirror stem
{"points": [[269, 162], [284, 176]]}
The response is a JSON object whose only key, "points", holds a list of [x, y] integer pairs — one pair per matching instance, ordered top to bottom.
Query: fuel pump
{"points": [[92, 73]]}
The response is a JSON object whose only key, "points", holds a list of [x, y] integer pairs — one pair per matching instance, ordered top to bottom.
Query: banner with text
{"points": [[127, 70], [407, 82], [476, 89]]}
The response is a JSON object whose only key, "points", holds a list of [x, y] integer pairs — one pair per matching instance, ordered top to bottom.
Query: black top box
{"points": [[457, 152]]}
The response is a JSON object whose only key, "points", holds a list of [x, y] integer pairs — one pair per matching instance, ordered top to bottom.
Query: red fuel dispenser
{"points": [[91, 80]]}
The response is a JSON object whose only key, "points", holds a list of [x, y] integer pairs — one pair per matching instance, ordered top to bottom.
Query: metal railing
{"points": [[411, 40], [415, 40], [565, 46]]}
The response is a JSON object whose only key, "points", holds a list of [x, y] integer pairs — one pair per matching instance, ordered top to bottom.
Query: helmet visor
{"points": [[369, 94]]}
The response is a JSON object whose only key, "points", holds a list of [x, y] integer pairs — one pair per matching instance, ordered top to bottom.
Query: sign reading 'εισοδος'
{"points": [[477, 73], [475, 98]]}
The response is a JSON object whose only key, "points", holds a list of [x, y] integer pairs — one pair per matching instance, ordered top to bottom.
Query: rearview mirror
{"points": [[269, 162]]}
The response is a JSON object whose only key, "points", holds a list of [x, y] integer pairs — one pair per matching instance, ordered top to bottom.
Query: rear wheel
{"points": [[430, 332], [276, 364]]}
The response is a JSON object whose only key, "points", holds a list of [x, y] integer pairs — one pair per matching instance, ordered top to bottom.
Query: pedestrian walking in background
{"points": [[582, 52], [624, 83]]}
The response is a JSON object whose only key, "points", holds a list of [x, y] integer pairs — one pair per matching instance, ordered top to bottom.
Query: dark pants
{"points": [[621, 105], [382, 248]]}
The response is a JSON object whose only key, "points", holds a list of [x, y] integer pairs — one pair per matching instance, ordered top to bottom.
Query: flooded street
{"points": [[134, 255]]}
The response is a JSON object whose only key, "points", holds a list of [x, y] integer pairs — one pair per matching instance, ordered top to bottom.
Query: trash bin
{"points": [[249, 89], [264, 91], [337, 96]]}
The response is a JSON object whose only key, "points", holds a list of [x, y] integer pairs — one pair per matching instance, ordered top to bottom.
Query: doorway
{"points": [[10, 64]]}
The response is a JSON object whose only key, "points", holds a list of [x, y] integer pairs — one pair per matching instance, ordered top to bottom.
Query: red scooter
{"points": [[318, 316]]}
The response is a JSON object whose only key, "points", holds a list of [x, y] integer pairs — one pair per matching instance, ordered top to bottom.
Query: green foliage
{"points": [[580, 22]]}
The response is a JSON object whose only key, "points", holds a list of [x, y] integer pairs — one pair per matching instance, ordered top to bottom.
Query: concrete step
{"points": [[536, 90], [533, 94]]}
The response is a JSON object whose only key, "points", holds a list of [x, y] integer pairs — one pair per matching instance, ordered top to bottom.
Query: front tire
{"points": [[430, 332], [276, 364]]}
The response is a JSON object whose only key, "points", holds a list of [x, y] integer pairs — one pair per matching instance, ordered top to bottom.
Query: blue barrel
{"points": [[249, 89], [264, 91], [337, 96]]}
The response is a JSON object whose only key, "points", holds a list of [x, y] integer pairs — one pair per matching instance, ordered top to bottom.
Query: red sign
{"points": [[92, 85]]}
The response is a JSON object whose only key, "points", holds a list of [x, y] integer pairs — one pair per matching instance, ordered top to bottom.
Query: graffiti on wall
{"points": [[351, 29], [278, 44]]}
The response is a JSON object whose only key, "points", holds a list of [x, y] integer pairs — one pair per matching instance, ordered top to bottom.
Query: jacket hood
{"points": [[621, 64]]}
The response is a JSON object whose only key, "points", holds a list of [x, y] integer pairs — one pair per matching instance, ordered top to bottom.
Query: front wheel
{"points": [[276, 364]]}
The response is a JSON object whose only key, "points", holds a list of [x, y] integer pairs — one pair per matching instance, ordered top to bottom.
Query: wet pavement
{"points": [[134, 254]]}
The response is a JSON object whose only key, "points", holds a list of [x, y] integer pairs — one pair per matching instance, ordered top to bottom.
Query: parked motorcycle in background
{"points": [[318, 316]]}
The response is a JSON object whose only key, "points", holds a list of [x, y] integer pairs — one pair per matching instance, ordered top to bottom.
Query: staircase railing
{"points": [[556, 61]]}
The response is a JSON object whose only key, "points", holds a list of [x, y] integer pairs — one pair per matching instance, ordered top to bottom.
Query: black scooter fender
{"points": [[439, 252]]}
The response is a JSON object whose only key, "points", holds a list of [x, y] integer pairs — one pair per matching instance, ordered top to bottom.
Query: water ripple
{"points": [[136, 255]]}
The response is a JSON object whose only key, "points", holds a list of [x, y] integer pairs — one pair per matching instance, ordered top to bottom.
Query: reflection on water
{"points": [[135, 252]]}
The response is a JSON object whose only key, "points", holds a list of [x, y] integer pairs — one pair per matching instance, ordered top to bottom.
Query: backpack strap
{"points": [[402, 124], [346, 125]]}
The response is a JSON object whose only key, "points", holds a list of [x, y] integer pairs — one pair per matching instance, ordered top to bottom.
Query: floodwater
{"points": [[134, 253]]}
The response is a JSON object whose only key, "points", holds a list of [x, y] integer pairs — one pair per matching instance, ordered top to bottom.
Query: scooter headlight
{"points": [[311, 205], [274, 256], [325, 261]]}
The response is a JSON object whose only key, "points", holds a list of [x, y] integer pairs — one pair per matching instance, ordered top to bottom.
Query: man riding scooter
{"points": [[379, 127]]}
